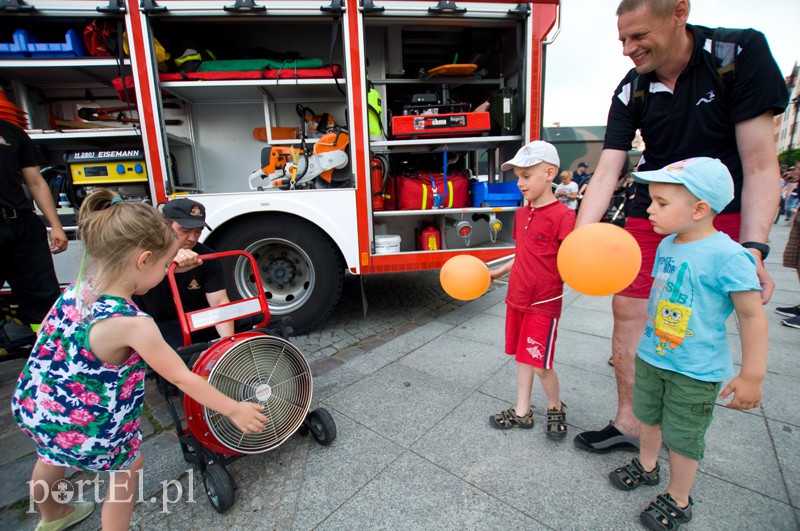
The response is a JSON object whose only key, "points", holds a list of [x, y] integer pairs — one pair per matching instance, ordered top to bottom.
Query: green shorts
{"points": [[681, 405]]}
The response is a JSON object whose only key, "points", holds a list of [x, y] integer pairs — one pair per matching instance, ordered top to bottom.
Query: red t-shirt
{"points": [[538, 232]]}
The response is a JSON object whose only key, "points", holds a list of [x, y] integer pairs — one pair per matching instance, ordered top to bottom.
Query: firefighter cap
{"points": [[532, 154], [189, 214]]}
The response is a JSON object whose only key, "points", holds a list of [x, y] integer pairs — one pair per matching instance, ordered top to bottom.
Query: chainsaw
{"points": [[289, 168]]}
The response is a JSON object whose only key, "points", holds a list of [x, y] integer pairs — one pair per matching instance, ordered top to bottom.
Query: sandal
{"points": [[508, 419], [557, 422], [630, 476], [663, 514]]}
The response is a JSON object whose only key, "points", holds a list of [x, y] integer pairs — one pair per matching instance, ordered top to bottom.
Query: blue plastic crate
{"points": [[26, 45], [72, 47], [17, 48], [495, 194]]}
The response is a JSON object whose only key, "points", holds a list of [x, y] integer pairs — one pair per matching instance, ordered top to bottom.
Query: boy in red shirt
{"points": [[535, 287]]}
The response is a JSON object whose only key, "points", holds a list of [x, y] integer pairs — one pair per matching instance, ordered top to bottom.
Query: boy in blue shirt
{"points": [[700, 277]]}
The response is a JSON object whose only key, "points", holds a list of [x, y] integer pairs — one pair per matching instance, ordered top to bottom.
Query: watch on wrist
{"points": [[762, 247]]}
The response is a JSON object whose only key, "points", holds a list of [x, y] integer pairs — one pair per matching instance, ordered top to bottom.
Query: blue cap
{"points": [[583, 165], [707, 179]]}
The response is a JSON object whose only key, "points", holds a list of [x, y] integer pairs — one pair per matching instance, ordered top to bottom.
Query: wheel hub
{"points": [[280, 271]]}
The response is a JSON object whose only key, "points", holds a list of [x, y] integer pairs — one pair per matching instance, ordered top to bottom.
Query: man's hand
{"points": [[58, 241], [186, 260], [766, 282], [746, 393]]}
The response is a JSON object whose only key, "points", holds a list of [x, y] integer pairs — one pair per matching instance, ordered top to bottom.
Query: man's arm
{"points": [[601, 187], [761, 188], [44, 200], [217, 298]]}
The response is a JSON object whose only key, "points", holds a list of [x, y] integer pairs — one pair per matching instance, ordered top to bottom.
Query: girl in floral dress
{"points": [[80, 395]]}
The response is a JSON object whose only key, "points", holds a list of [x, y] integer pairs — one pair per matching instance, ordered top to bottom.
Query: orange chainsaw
{"points": [[289, 168]]}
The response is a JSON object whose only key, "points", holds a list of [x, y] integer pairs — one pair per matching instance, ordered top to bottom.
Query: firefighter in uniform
{"points": [[26, 263]]}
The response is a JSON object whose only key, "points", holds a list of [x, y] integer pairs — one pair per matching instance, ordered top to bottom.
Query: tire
{"points": [[301, 269], [321, 425], [219, 488]]}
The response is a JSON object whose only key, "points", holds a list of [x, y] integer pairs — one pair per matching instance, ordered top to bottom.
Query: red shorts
{"points": [[642, 230], [531, 338]]}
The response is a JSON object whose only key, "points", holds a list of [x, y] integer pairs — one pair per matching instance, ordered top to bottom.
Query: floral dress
{"points": [[80, 411]]}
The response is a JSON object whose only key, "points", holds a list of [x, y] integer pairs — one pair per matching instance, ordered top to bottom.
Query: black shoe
{"points": [[789, 311], [794, 322], [608, 439]]}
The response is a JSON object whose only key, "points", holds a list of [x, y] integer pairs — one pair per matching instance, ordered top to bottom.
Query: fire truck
{"points": [[324, 137]]}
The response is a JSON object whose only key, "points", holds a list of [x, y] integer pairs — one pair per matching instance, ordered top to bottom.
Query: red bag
{"points": [[100, 37], [416, 192]]}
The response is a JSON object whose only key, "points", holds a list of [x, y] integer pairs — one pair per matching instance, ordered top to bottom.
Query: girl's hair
{"points": [[660, 8], [565, 175], [112, 229]]}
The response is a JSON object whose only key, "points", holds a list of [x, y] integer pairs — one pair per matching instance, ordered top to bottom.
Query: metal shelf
{"points": [[79, 72], [253, 90], [437, 144], [440, 211]]}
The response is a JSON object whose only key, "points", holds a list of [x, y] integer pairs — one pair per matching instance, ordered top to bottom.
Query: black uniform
{"points": [[699, 117], [26, 264]]}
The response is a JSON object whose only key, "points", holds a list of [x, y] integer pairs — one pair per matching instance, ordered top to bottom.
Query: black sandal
{"points": [[508, 419], [557, 422], [630, 476], [663, 514]]}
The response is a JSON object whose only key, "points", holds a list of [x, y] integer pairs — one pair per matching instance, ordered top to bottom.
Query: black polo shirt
{"points": [[699, 117], [17, 151], [192, 287]]}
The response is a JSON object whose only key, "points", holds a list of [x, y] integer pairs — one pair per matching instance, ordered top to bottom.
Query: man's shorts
{"points": [[642, 231], [531, 338], [681, 405]]}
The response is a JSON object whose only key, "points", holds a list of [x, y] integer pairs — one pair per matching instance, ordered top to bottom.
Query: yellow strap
{"points": [[449, 194], [424, 196]]}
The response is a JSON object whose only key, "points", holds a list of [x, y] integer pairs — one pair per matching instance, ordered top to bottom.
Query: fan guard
{"points": [[257, 368]]}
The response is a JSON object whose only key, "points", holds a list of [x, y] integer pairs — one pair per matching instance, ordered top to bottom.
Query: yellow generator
{"points": [[121, 170]]}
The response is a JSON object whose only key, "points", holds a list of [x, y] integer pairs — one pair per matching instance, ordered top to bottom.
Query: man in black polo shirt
{"points": [[687, 110], [26, 263], [200, 284]]}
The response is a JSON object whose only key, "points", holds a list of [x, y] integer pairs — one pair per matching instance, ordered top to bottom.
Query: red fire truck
{"points": [[324, 137]]}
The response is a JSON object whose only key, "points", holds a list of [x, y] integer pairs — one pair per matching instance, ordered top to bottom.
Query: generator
{"points": [[429, 115], [122, 170]]}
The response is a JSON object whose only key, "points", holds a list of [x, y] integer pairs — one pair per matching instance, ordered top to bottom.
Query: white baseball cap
{"points": [[532, 154], [707, 179]]}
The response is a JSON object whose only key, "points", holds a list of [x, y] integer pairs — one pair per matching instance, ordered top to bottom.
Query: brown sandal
{"points": [[508, 419], [557, 422]]}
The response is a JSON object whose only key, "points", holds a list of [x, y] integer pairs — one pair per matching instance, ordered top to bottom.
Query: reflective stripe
{"points": [[424, 196]]}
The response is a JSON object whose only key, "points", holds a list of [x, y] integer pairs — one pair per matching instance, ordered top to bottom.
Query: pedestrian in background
{"points": [[728, 118], [581, 175], [567, 190], [700, 277], [535, 288]]}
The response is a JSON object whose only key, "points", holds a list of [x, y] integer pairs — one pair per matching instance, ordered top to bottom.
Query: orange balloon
{"points": [[599, 259], [465, 277]]}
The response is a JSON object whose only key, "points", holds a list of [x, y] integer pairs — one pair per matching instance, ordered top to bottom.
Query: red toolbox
{"points": [[451, 124]]}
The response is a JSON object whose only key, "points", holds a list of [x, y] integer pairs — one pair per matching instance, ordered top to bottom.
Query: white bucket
{"points": [[387, 243]]}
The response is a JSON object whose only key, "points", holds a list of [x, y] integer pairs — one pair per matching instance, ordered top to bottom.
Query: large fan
{"points": [[258, 368]]}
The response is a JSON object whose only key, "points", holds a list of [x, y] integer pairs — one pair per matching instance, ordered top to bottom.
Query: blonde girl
{"points": [[80, 395]]}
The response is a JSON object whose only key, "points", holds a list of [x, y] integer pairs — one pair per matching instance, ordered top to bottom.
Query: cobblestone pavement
{"points": [[397, 303]]}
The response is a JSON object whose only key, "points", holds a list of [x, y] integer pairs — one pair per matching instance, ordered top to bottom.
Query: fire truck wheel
{"points": [[301, 269]]}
